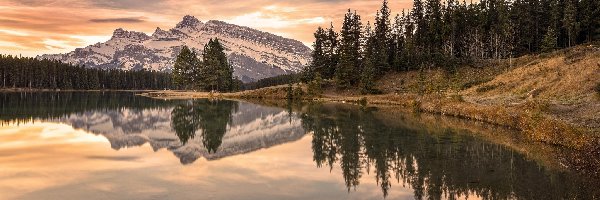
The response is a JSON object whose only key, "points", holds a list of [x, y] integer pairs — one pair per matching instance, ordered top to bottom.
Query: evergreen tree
{"points": [[433, 15], [569, 21], [382, 40], [549, 43], [331, 49], [349, 51], [318, 60], [183, 70], [215, 73], [368, 73]]}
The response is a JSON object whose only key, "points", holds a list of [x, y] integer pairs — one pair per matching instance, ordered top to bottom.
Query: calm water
{"points": [[119, 146]]}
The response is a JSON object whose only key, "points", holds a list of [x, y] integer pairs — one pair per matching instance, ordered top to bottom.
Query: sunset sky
{"points": [[33, 27]]}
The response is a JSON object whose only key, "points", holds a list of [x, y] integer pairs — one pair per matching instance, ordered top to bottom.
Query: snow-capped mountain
{"points": [[254, 54]]}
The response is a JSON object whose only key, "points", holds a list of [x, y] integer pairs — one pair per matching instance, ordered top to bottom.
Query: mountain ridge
{"points": [[254, 54]]}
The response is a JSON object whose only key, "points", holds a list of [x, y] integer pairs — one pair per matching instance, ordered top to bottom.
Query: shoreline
{"points": [[526, 118], [575, 147]]}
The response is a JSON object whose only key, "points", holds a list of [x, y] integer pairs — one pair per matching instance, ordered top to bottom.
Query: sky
{"points": [[35, 27]]}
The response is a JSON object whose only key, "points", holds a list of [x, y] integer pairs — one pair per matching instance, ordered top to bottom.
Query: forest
{"points": [[446, 35], [23, 72]]}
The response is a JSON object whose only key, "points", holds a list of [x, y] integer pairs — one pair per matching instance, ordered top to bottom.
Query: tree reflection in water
{"points": [[210, 117], [434, 164]]}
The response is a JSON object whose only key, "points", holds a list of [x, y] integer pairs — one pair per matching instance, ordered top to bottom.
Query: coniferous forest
{"points": [[447, 34], [22, 72]]}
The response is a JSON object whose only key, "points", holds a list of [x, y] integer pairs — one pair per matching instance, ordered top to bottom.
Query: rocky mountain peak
{"points": [[188, 21], [121, 33], [159, 33]]}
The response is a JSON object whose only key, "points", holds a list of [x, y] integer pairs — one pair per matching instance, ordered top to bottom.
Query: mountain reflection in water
{"points": [[358, 144]]}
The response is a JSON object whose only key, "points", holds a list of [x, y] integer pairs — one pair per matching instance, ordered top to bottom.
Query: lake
{"points": [[115, 145]]}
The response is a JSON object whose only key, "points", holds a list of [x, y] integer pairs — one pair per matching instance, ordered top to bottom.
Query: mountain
{"points": [[254, 54]]}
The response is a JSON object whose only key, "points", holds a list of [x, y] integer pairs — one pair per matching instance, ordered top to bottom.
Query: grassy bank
{"points": [[550, 98]]}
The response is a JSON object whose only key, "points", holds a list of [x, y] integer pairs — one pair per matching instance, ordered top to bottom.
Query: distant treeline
{"points": [[445, 34], [23, 72], [272, 81]]}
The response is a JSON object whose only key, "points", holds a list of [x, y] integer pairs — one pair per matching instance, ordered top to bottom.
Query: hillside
{"points": [[561, 82]]}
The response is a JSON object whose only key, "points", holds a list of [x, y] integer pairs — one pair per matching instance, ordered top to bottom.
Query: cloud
{"points": [[118, 20], [33, 27]]}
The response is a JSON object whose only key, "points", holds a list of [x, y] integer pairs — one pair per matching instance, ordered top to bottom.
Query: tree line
{"points": [[445, 34], [24, 72], [212, 72], [272, 81]]}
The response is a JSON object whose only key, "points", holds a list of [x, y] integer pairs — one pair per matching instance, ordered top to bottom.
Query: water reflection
{"points": [[210, 117], [191, 129], [360, 147], [435, 164]]}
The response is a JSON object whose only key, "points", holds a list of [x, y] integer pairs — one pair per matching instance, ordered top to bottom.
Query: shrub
{"points": [[470, 84], [315, 87], [486, 88], [597, 88], [457, 97], [363, 101]]}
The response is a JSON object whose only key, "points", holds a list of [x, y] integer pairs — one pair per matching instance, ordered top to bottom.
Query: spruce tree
{"points": [[569, 21], [382, 39], [549, 43], [331, 50], [349, 51], [318, 60], [183, 70], [368, 72], [215, 73]]}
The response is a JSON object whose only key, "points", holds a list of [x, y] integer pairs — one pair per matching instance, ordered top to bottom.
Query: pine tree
{"points": [[433, 16], [589, 17], [569, 21], [382, 40], [549, 43], [331, 48], [349, 51], [318, 60], [398, 61], [183, 70], [369, 71], [215, 73], [367, 77]]}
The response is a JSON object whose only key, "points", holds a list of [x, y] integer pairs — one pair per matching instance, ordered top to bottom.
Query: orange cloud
{"points": [[33, 27]]}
